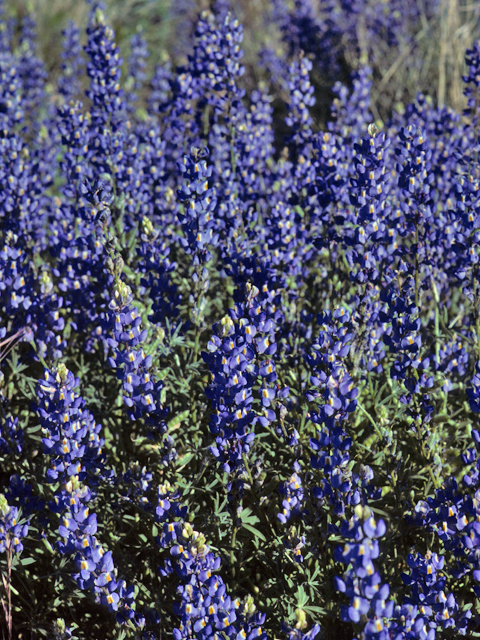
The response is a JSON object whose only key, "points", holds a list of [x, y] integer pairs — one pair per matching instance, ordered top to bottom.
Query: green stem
{"points": [[206, 120], [232, 149], [476, 314], [437, 321], [197, 343], [372, 392], [367, 415], [273, 433], [247, 469], [436, 479], [232, 551], [7, 585]]}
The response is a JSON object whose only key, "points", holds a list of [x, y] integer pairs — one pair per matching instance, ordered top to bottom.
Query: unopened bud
{"points": [[119, 264], [227, 325], [62, 373], [4, 506], [301, 617]]}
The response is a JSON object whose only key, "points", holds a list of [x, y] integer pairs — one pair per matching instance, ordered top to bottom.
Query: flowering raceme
{"points": [[71, 440]]}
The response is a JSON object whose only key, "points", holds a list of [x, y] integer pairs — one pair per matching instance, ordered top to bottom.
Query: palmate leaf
{"points": [[246, 516]]}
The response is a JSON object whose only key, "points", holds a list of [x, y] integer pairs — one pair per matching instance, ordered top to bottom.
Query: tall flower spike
{"points": [[215, 62], [72, 64], [136, 68], [31, 69], [103, 69], [472, 82], [301, 97], [11, 106], [199, 200], [243, 390], [143, 394], [334, 396], [72, 442], [369, 598]]}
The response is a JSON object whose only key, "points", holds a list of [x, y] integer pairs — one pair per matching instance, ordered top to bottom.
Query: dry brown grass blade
{"points": [[7, 344]]}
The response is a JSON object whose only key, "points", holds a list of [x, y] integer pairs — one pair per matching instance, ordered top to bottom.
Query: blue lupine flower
{"points": [[31, 70], [11, 106], [11, 437], [293, 490], [11, 530]]}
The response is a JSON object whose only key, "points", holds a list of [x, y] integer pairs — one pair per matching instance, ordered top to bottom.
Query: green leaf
{"points": [[34, 429], [184, 460], [256, 532], [48, 545], [302, 597], [314, 609]]}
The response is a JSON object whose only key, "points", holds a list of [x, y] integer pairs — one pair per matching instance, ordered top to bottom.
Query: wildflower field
{"points": [[240, 320]]}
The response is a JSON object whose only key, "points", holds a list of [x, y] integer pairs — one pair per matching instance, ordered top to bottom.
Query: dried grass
{"points": [[431, 62]]}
